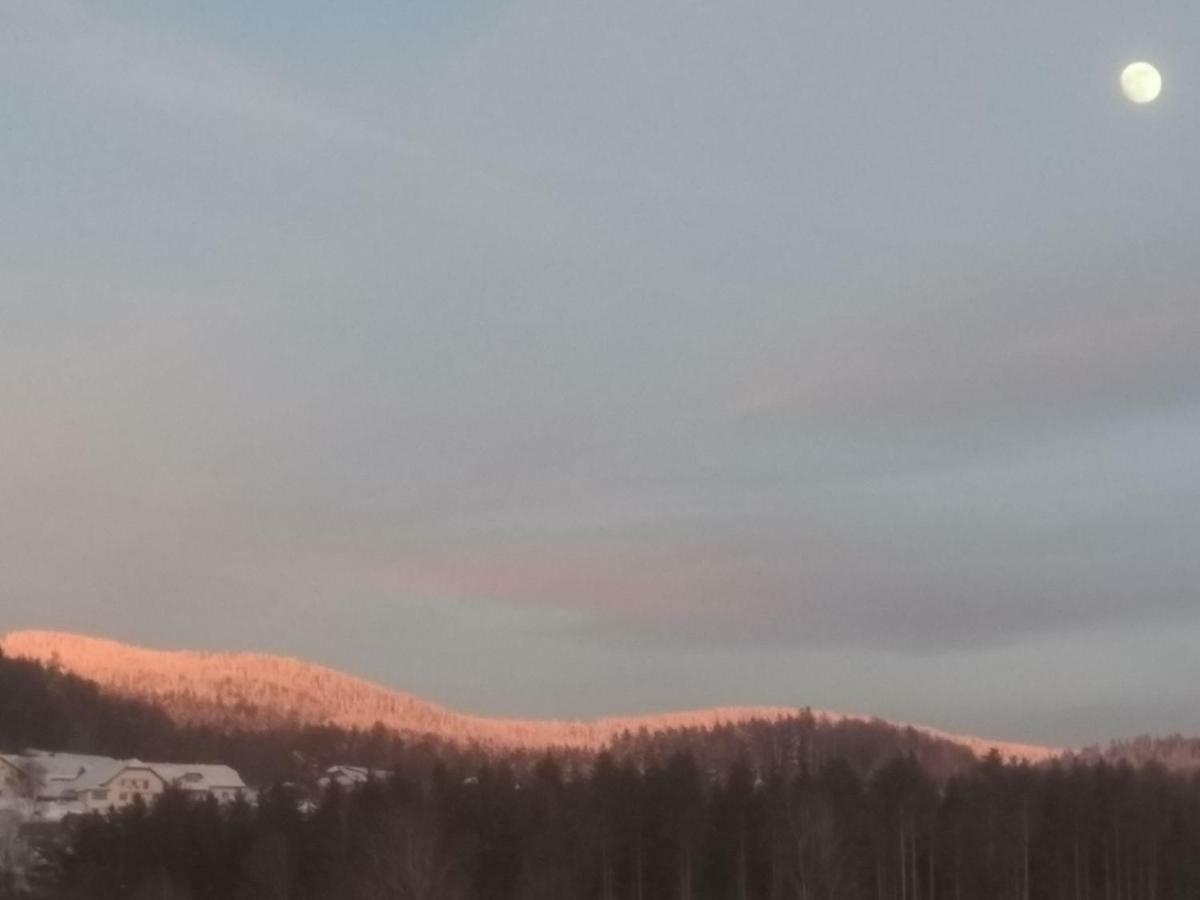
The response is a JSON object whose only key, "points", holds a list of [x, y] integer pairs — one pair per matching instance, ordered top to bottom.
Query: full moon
{"points": [[1141, 82]]}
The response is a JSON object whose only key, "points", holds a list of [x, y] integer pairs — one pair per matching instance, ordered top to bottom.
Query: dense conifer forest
{"points": [[45, 707], [799, 810], [669, 830]]}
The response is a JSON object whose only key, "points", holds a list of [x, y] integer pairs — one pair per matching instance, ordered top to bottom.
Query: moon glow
{"points": [[1141, 82]]}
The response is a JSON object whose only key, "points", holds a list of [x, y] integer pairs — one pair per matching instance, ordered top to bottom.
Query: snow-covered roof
{"points": [[64, 766], [349, 770], [358, 771], [60, 773], [355, 773], [65, 774], [100, 774], [350, 775], [199, 777]]}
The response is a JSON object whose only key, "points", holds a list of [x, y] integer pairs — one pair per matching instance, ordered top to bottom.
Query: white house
{"points": [[73, 782], [221, 782], [69, 783], [118, 783]]}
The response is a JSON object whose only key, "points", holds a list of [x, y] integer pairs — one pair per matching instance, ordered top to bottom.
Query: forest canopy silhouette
{"points": [[774, 810]]}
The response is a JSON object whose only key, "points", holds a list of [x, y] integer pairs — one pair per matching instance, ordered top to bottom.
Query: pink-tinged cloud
{"points": [[652, 584], [894, 591]]}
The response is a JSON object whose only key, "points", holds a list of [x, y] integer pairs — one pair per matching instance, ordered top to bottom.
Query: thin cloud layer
{"points": [[645, 329], [1063, 340], [921, 590]]}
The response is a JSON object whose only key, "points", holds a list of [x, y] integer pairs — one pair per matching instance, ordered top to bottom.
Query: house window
{"points": [[99, 795], [124, 796]]}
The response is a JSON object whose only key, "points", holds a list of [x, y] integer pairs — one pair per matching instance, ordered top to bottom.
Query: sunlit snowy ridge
{"points": [[257, 691]]}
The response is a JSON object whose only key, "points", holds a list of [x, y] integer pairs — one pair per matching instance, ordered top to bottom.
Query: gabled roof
{"points": [[64, 766], [59, 773], [62, 773], [69, 773], [98, 776], [95, 777], [191, 777]]}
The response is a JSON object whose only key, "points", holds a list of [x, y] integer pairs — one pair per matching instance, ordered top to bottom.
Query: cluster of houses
{"points": [[347, 777], [47, 786]]}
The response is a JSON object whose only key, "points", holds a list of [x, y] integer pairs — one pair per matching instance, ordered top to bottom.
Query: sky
{"points": [[556, 358]]}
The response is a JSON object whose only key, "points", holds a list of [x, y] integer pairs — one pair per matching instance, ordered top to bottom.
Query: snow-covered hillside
{"points": [[258, 690]]}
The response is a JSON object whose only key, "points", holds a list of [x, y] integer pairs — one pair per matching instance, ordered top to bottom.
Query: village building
{"points": [[65, 783], [222, 783], [62, 784], [113, 785]]}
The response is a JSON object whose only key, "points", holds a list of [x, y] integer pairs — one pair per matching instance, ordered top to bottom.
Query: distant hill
{"points": [[257, 692], [59, 710], [1175, 752]]}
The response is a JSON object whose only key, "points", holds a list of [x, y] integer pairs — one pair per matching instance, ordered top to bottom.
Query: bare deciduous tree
{"points": [[405, 859]]}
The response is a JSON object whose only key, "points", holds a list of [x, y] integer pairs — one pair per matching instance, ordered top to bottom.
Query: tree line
{"points": [[44, 707], [797, 809], [668, 830]]}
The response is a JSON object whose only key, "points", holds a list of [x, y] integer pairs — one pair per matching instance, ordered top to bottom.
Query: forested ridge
{"points": [[267, 693], [44, 707], [52, 708], [790, 810]]}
